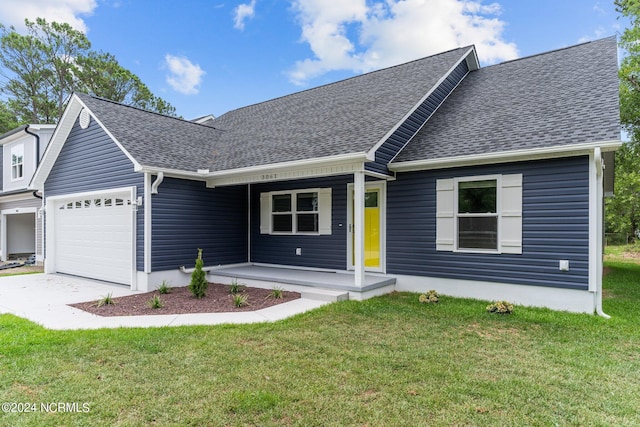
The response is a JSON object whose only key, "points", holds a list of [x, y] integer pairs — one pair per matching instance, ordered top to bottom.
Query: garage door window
{"points": [[95, 203]]}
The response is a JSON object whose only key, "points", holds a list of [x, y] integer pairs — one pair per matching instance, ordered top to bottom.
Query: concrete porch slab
{"points": [[326, 280]]}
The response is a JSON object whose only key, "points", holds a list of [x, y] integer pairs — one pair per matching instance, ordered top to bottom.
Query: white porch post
{"points": [[358, 227]]}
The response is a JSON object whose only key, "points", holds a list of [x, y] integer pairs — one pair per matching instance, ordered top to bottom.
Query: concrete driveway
{"points": [[44, 299]]}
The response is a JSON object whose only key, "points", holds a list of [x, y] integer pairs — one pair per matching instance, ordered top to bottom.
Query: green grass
{"points": [[6, 274], [388, 361]]}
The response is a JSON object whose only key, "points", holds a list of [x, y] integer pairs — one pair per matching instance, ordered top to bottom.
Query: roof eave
{"points": [[505, 156], [299, 169]]}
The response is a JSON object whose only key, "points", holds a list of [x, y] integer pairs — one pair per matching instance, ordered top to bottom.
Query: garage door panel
{"points": [[94, 237]]}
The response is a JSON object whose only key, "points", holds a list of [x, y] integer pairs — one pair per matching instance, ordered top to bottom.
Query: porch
{"points": [[316, 284]]}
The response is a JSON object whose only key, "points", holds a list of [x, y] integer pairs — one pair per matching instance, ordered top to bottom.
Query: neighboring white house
{"points": [[21, 229]]}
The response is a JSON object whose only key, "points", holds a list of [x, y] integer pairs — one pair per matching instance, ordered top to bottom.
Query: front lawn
{"points": [[383, 362]]}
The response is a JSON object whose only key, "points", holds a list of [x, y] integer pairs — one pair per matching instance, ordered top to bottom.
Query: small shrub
{"points": [[198, 285], [235, 287], [164, 288], [276, 293], [430, 297], [106, 300], [240, 300], [156, 302], [500, 307]]}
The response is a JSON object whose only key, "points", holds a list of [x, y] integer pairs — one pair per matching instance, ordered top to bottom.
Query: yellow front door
{"points": [[372, 229]]}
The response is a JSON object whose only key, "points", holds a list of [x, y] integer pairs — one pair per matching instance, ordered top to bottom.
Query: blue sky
{"points": [[209, 57]]}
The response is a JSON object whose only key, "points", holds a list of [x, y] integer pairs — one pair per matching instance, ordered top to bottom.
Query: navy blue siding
{"points": [[414, 122], [91, 161], [187, 216], [555, 227], [326, 251]]}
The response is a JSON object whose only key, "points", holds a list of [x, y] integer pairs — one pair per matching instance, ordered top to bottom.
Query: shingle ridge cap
{"points": [[560, 49], [349, 78], [166, 116]]}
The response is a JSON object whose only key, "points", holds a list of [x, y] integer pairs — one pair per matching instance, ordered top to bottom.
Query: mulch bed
{"points": [[179, 300]]}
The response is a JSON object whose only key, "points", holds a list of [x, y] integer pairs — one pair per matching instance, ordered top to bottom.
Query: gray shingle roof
{"points": [[567, 96], [349, 116], [346, 117], [153, 139]]}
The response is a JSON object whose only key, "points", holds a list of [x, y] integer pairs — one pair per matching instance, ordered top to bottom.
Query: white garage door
{"points": [[93, 236]]}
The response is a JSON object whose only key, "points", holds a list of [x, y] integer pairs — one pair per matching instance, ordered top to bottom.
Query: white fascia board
{"points": [[41, 126], [14, 135], [59, 137], [54, 147], [372, 152], [505, 156], [323, 166], [16, 197]]}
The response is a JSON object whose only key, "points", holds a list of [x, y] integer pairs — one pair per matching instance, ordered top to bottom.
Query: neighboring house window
{"points": [[17, 162], [296, 212], [479, 214]]}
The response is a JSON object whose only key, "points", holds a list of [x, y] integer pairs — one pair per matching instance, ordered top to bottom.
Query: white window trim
{"points": [[18, 151], [508, 206], [324, 212], [497, 214]]}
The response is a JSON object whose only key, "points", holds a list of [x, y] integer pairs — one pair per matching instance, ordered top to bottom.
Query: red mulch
{"points": [[179, 300]]}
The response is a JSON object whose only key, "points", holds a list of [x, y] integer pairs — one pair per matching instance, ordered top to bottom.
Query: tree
{"points": [[42, 68], [100, 74], [8, 120], [623, 210], [198, 285]]}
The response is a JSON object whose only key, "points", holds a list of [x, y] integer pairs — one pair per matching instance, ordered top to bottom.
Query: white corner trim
{"points": [[505, 156], [147, 223]]}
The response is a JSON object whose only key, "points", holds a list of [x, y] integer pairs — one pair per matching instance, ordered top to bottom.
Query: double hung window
{"points": [[17, 162], [296, 212], [479, 214]]}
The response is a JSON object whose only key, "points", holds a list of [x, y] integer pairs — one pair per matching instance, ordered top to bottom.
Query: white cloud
{"points": [[14, 12], [242, 13], [598, 33], [361, 35], [184, 76]]}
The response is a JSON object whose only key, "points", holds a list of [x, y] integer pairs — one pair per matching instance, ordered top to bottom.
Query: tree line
{"points": [[39, 70], [623, 210]]}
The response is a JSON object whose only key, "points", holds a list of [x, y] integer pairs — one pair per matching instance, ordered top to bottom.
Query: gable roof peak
{"points": [[355, 77]]}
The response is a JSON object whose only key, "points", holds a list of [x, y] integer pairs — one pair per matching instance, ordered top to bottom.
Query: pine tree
{"points": [[198, 285]]}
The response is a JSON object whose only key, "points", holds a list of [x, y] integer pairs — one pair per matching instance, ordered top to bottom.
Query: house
{"points": [[434, 174], [20, 223]]}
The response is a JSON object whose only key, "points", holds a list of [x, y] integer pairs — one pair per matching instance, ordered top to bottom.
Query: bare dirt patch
{"points": [[180, 301]]}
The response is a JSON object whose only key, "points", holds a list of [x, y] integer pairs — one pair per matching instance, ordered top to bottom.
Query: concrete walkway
{"points": [[44, 299]]}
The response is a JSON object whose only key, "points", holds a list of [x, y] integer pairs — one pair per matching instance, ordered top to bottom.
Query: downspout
{"points": [[26, 129], [37, 144], [157, 182], [599, 215]]}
